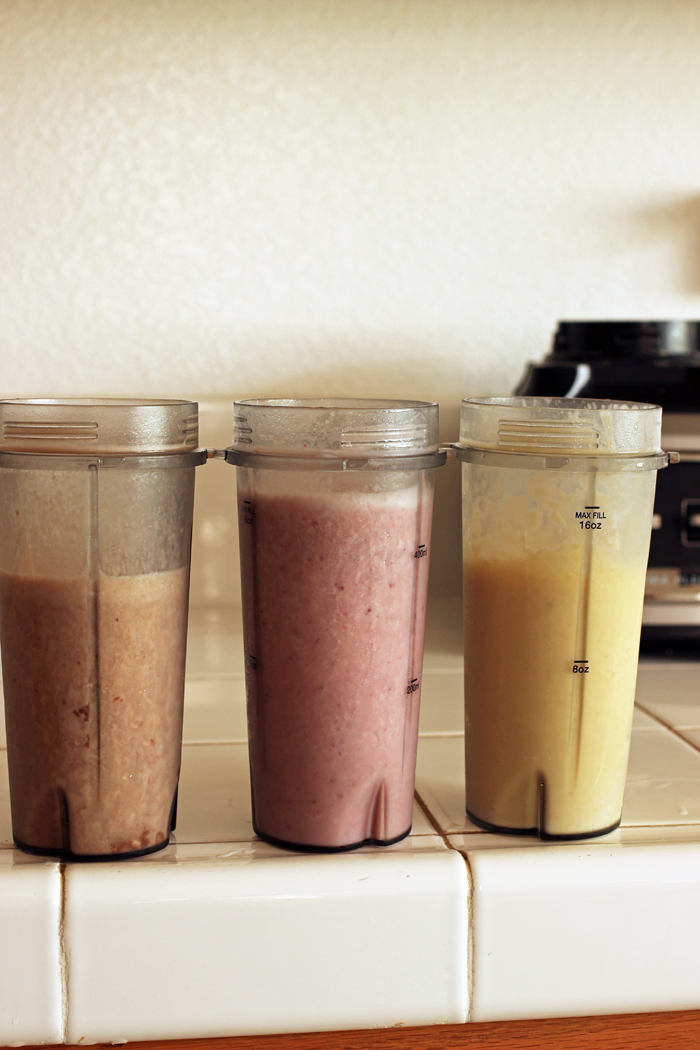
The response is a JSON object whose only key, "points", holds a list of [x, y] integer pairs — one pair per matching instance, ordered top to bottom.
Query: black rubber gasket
{"points": [[535, 832], [297, 847], [92, 858]]}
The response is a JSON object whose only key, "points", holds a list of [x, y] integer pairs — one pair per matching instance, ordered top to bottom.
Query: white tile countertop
{"points": [[220, 934]]}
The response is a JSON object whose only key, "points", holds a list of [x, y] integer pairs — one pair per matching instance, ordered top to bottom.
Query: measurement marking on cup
{"points": [[248, 513], [590, 517], [422, 551], [253, 663], [580, 667], [413, 686]]}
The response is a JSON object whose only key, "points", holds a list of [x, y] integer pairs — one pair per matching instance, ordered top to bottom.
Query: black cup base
{"points": [[496, 829], [297, 847], [66, 855]]}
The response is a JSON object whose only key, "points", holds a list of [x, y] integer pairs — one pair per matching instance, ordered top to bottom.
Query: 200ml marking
{"points": [[590, 518], [413, 687]]}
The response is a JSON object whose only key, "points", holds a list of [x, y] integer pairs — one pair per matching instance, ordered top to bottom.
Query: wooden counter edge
{"points": [[652, 1031]]}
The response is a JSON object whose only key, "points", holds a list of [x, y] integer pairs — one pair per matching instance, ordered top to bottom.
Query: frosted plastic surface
{"points": [[560, 425], [90, 426], [336, 426]]}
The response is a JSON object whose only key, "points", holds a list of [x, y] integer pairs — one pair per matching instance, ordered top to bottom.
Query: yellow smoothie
{"points": [[553, 596]]}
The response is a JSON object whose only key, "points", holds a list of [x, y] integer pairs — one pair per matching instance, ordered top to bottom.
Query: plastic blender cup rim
{"points": [[98, 426], [560, 426], [347, 430]]}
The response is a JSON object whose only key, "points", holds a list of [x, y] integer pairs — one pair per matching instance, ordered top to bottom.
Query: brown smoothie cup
{"points": [[96, 500]]}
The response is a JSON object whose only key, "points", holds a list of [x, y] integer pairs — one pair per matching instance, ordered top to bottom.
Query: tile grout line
{"points": [[452, 672], [215, 676], [671, 728], [440, 734], [214, 743], [431, 820], [470, 898], [470, 933], [62, 955]]}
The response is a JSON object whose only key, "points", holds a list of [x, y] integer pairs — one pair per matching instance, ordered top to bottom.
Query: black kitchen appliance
{"points": [[656, 362]]}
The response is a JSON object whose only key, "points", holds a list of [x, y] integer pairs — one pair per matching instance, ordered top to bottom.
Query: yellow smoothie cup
{"points": [[557, 501]]}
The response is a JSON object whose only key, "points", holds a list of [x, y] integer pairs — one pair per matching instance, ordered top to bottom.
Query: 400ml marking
{"points": [[590, 518]]}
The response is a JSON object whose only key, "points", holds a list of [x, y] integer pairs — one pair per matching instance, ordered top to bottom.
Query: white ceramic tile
{"points": [[215, 575], [443, 635], [215, 640], [215, 688], [671, 690], [442, 702], [215, 706], [215, 709], [642, 720], [3, 734], [692, 736], [663, 780], [440, 782], [214, 796], [421, 825], [655, 834], [659, 835], [6, 839], [481, 840], [257, 848], [589, 929], [216, 946], [30, 965]]}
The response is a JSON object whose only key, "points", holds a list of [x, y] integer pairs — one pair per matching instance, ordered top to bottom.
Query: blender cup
{"points": [[557, 499], [335, 512], [95, 528]]}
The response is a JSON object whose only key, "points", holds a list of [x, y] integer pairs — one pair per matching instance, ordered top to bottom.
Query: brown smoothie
{"points": [[94, 684]]}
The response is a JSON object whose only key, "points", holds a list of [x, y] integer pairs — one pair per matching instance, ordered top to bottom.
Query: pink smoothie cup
{"points": [[335, 510]]}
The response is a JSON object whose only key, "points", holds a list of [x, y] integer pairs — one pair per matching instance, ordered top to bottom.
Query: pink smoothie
{"points": [[334, 593]]}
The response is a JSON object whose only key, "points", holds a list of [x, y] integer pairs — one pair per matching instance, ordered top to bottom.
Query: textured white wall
{"points": [[259, 196], [248, 197]]}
